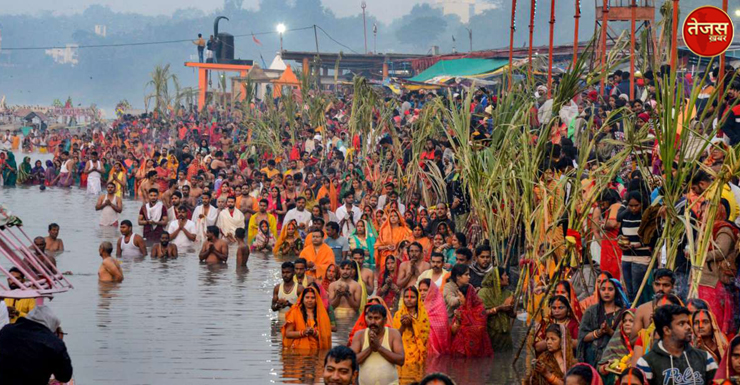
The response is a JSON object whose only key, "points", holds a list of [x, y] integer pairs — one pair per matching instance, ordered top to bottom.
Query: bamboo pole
{"points": [[532, 9], [577, 18], [604, 21], [674, 36], [511, 42], [632, 49], [549, 55], [720, 79]]}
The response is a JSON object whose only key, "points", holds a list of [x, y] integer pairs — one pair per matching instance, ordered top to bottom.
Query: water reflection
{"points": [[178, 321]]}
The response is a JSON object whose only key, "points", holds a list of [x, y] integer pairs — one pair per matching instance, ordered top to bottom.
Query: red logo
{"points": [[708, 31]]}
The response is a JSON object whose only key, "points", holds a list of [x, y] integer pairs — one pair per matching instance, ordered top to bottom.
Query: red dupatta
{"points": [[471, 339]]}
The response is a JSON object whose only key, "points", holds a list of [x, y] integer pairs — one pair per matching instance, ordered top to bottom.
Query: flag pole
{"points": [[532, 10], [577, 18], [604, 21], [674, 36], [511, 42], [632, 49], [549, 56], [720, 79]]}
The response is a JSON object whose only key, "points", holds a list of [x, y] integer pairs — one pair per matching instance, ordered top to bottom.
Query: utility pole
{"points": [[364, 25], [470, 38]]}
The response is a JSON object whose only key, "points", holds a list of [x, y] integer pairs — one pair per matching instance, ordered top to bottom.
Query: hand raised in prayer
{"points": [[310, 265], [12, 312], [406, 320], [606, 329], [310, 332], [373, 339], [539, 367]]}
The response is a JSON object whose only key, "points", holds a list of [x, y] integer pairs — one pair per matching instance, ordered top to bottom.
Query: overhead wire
{"points": [[335, 40], [144, 43]]}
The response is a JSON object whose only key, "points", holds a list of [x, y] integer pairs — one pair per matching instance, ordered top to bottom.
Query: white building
{"points": [[465, 9], [101, 30], [67, 55]]}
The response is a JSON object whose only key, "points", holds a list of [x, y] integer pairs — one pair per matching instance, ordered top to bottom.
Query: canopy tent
{"points": [[459, 68], [288, 79]]}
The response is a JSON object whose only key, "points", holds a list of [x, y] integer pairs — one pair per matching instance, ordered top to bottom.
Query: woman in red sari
{"points": [[611, 253], [387, 287], [561, 313], [469, 327], [439, 334]]}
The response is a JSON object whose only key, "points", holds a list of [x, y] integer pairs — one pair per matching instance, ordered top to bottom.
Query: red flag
{"points": [[255, 40]]}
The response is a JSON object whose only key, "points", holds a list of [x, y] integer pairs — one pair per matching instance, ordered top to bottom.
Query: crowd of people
{"points": [[362, 245]]}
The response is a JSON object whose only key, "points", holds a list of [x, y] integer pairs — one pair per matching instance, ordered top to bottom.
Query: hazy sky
{"points": [[385, 10]]}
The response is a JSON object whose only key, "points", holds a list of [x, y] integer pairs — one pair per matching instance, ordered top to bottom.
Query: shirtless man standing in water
{"points": [[54, 244], [164, 249], [214, 250], [242, 250], [110, 269], [345, 294]]}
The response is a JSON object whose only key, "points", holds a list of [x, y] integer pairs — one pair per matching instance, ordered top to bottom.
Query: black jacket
{"points": [[30, 353]]}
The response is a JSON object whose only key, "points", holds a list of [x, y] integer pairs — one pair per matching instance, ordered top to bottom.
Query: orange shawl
{"points": [[331, 193], [391, 236], [321, 259], [322, 325]]}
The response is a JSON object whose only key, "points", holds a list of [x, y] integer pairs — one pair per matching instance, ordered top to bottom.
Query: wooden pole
{"points": [[532, 8], [577, 18], [604, 21], [674, 36], [511, 43], [632, 50], [549, 55], [720, 79]]}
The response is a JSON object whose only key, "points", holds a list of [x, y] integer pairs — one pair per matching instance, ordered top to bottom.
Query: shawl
{"points": [[24, 171], [331, 193], [228, 222], [254, 227], [284, 236], [391, 236], [368, 244], [321, 258], [326, 281], [390, 296], [492, 296], [295, 316], [592, 320], [361, 324], [439, 335], [719, 338], [471, 339], [415, 340], [620, 346], [559, 370], [726, 371], [595, 377]]}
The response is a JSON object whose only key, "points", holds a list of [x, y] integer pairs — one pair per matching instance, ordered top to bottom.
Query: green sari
{"points": [[24, 171], [10, 172], [368, 244], [499, 326]]}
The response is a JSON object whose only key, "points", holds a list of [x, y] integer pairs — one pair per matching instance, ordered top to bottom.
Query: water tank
{"points": [[226, 53]]}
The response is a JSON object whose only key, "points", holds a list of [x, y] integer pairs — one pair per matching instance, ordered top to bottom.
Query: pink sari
{"points": [[439, 334]]}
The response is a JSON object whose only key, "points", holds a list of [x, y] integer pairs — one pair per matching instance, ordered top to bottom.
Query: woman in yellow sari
{"points": [[172, 166], [118, 176], [254, 225], [392, 232], [290, 242], [412, 321], [307, 325]]}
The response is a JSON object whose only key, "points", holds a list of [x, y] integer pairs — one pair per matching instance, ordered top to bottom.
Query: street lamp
{"points": [[737, 12], [364, 25], [281, 31], [375, 38], [470, 38]]}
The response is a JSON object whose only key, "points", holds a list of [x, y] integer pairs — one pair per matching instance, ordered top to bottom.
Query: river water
{"points": [[177, 321]]}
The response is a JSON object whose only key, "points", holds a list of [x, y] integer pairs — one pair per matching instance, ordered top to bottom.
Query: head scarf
{"points": [[284, 235], [389, 235], [369, 243], [326, 282], [492, 296], [42, 314], [295, 317], [360, 324], [439, 337], [719, 338], [471, 339], [414, 343], [620, 346], [726, 371], [595, 376]]}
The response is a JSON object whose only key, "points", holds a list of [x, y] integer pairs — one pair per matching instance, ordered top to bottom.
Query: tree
{"points": [[422, 31]]}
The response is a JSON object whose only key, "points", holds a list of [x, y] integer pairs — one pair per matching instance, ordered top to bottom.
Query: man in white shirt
{"points": [[299, 213], [348, 214], [182, 230]]}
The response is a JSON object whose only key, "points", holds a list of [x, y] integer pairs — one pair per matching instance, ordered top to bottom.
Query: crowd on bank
{"points": [[362, 244]]}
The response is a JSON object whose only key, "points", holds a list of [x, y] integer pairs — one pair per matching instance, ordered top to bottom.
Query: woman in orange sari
{"points": [[328, 190], [392, 232], [307, 325]]}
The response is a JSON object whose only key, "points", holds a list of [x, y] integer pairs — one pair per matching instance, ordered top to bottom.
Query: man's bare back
{"points": [[110, 271]]}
